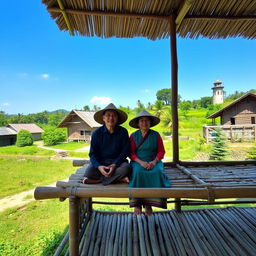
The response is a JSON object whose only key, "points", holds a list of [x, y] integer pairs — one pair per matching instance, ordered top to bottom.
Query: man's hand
{"points": [[112, 168], [104, 170]]}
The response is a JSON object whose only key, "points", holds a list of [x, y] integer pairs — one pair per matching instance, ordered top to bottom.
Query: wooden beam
{"points": [[63, 11], [183, 11], [174, 81]]}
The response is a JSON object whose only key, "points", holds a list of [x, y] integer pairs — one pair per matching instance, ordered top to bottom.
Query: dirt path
{"points": [[20, 199]]}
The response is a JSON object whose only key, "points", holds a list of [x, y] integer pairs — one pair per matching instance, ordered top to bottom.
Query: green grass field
{"points": [[70, 145], [29, 150], [21, 174]]}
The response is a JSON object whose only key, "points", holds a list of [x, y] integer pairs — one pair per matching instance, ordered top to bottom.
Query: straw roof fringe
{"points": [[150, 19]]}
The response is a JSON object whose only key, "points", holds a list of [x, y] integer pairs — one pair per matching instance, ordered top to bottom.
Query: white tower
{"points": [[218, 93]]}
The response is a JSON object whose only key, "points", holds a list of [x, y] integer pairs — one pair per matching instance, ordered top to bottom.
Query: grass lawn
{"points": [[70, 146], [28, 150], [21, 174], [34, 229]]}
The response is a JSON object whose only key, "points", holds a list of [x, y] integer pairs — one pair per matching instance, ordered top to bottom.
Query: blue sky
{"points": [[42, 68]]}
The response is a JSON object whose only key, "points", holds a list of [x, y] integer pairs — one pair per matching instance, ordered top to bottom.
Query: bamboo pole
{"points": [[174, 79], [195, 193], [74, 226]]}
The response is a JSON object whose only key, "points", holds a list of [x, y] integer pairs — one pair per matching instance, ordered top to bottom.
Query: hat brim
{"points": [[98, 116], [153, 121]]}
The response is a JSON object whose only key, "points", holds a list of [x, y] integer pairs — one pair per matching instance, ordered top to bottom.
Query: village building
{"points": [[237, 120], [80, 125], [9, 133], [7, 136]]}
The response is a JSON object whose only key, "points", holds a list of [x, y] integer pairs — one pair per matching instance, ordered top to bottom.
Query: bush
{"points": [[53, 136], [24, 138], [219, 147], [252, 153]]}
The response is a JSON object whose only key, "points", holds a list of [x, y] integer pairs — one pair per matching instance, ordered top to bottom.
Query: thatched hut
{"points": [[80, 125], [205, 232]]}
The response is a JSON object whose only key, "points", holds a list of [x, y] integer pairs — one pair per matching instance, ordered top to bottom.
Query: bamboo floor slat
{"points": [[188, 177], [213, 232]]}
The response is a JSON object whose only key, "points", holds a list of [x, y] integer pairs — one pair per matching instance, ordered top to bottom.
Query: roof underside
{"points": [[150, 19]]}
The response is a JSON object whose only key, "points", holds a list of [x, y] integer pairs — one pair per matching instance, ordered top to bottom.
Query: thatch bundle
{"points": [[150, 19]]}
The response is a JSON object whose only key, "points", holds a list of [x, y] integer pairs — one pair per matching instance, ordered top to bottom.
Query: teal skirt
{"points": [[143, 178]]}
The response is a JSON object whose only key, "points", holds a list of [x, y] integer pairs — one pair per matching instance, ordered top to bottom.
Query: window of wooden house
{"points": [[253, 119], [232, 120], [81, 133]]}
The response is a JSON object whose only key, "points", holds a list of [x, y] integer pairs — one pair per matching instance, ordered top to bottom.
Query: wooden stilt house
{"points": [[228, 231]]}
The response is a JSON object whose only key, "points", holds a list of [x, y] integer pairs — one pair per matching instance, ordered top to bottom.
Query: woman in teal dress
{"points": [[147, 150]]}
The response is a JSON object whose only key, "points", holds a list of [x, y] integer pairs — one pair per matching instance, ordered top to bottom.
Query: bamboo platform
{"points": [[222, 231], [226, 231]]}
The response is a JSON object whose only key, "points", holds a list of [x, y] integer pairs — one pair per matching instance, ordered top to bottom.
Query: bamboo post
{"points": [[174, 79], [178, 204], [74, 225]]}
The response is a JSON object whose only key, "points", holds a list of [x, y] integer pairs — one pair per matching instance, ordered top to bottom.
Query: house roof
{"points": [[150, 19], [218, 113], [86, 116], [32, 128], [7, 131]]}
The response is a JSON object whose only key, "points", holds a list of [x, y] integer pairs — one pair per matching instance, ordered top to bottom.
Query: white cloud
{"points": [[44, 76], [100, 100], [5, 104]]}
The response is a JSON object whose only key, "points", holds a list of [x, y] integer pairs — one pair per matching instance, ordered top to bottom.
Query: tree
{"points": [[165, 95], [205, 101], [140, 106], [185, 107], [86, 108], [96, 108], [158, 108], [55, 118], [167, 118], [3, 119], [53, 136], [24, 138], [219, 148]]}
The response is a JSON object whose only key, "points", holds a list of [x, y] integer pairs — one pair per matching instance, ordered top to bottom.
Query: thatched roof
{"points": [[150, 19], [218, 113], [86, 116]]}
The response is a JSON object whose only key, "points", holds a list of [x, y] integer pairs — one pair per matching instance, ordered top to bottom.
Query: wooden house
{"points": [[237, 120], [80, 125], [34, 129], [7, 136], [228, 231]]}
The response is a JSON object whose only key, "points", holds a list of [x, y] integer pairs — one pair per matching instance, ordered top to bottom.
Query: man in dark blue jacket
{"points": [[109, 148]]}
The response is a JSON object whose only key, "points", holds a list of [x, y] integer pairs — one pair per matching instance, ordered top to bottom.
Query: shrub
{"points": [[53, 136], [24, 138], [219, 148], [252, 153]]}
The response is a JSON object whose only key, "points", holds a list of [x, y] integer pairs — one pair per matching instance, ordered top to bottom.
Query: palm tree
{"points": [[159, 108], [167, 117]]}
